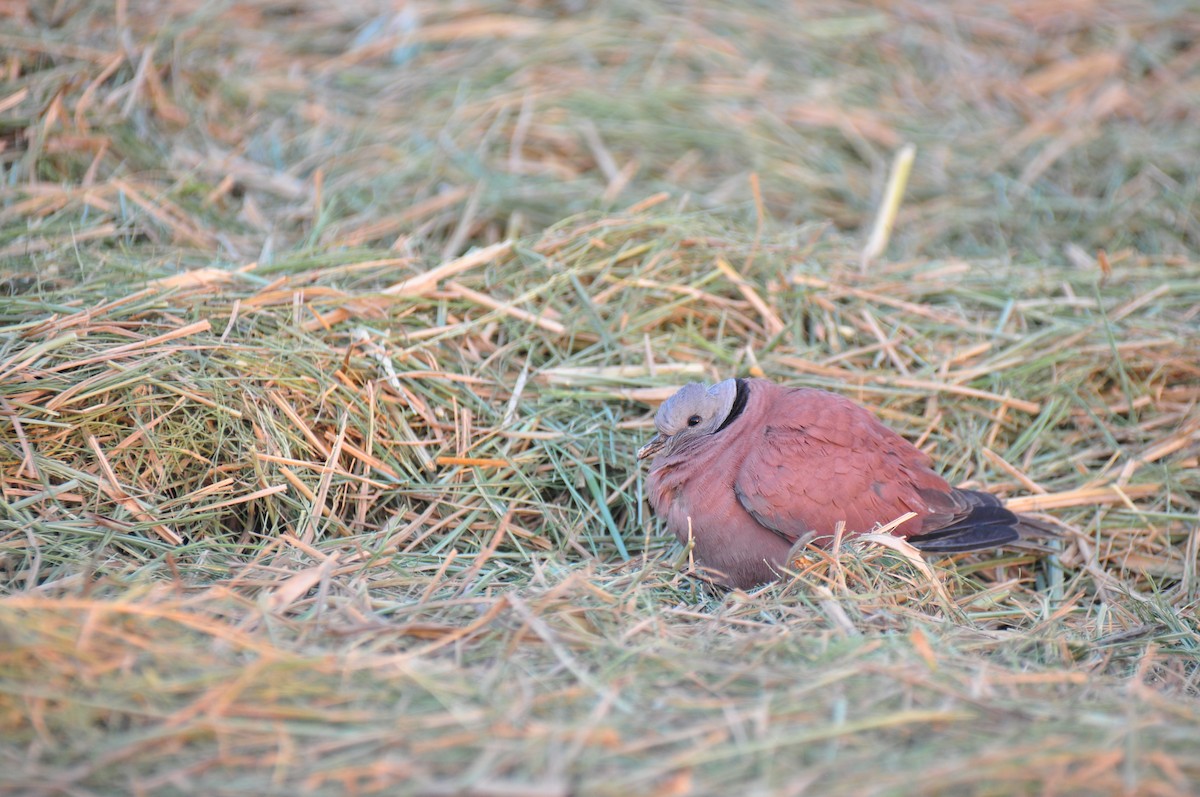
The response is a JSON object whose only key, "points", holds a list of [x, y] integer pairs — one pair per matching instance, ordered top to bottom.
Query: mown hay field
{"points": [[328, 334]]}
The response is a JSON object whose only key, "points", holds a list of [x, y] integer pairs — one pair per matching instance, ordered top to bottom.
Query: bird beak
{"points": [[652, 448]]}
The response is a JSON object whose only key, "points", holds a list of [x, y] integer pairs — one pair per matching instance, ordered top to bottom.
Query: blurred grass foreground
{"points": [[328, 333]]}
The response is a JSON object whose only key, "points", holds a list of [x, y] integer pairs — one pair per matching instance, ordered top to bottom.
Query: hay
{"points": [[327, 337]]}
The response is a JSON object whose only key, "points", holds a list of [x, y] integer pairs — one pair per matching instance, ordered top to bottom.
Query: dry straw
{"points": [[328, 334]]}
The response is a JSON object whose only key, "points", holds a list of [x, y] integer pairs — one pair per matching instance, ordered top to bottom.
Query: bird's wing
{"points": [[819, 458], [978, 520]]}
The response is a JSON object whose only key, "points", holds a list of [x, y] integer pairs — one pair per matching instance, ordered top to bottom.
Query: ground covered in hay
{"points": [[328, 333]]}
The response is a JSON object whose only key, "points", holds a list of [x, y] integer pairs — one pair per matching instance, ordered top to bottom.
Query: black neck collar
{"points": [[739, 403]]}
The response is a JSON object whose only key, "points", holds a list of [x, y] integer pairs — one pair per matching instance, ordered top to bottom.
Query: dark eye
{"points": [[692, 421]]}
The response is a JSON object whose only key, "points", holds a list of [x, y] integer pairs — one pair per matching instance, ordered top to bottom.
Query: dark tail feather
{"points": [[985, 524], [1035, 534], [969, 539]]}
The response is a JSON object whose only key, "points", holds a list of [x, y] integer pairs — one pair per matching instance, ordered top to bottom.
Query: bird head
{"points": [[693, 413]]}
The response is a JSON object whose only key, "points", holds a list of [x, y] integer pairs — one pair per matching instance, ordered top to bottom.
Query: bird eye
{"points": [[692, 421]]}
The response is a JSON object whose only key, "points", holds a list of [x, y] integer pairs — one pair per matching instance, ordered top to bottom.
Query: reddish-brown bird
{"points": [[746, 468]]}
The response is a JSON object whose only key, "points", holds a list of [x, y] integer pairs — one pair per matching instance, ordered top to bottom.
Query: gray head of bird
{"points": [[692, 414]]}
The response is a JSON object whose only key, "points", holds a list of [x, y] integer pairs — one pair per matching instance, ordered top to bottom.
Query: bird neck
{"points": [[739, 403]]}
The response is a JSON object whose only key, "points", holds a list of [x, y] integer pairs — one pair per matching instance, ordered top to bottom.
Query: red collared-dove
{"points": [[746, 468]]}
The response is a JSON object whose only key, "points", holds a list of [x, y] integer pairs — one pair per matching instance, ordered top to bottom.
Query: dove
{"points": [[747, 469]]}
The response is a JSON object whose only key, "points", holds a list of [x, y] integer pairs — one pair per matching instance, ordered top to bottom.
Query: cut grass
{"points": [[327, 337]]}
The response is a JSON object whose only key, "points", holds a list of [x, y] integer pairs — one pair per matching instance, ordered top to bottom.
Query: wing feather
{"points": [[820, 458]]}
